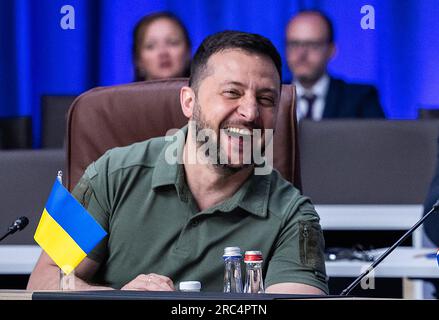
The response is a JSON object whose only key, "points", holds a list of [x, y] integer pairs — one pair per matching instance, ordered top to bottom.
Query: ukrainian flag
{"points": [[66, 231]]}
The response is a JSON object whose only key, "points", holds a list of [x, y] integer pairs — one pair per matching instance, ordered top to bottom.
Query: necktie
{"points": [[310, 99]]}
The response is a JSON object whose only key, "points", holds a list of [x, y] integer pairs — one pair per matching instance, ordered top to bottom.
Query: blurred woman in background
{"points": [[161, 47]]}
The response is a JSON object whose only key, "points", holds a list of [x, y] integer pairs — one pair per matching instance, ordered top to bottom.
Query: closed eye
{"points": [[174, 42], [149, 46], [231, 94], [266, 101]]}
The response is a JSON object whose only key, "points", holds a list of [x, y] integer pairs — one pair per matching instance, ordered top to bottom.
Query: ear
{"points": [[187, 101]]}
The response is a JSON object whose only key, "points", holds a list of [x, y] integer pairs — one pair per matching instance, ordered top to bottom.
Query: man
{"points": [[309, 48], [169, 221], [431, 224]]}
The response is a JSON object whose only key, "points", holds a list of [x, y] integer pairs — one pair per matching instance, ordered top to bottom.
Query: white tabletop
{"points": [[18, 259], [403, 262]]}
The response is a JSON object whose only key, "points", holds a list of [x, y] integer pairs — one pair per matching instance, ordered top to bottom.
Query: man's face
{"points": [[308, 49], [238, 95]]}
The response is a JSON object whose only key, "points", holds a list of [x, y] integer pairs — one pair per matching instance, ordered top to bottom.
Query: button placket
{"points": [[194, 222], [187, 238]]}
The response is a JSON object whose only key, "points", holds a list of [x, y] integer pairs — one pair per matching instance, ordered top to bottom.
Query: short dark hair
{"points": [[325, 18], [139, 31], [249, 42]]}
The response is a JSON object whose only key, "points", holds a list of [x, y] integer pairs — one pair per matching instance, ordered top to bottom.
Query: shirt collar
{"points": [[320, 88], [170, 172], [256, 195], [252, 196]]}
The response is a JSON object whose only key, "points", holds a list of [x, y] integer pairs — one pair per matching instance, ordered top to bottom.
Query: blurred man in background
{"points": [[309, 48]]}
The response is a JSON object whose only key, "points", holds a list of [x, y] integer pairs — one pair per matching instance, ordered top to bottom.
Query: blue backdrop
{"points": [[37, 57]]}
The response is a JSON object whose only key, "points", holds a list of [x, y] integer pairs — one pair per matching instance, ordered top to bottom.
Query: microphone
{"points": [[18, 225], [346, 291]]}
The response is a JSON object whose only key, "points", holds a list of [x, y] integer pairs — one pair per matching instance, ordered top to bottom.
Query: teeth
{"points": [[244, 132]]}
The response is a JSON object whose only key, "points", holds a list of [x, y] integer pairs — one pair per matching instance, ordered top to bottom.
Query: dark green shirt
{"points": [[154, 224]]}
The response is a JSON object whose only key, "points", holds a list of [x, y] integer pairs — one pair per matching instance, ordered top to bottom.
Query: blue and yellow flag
{"points": [[66, 231]]}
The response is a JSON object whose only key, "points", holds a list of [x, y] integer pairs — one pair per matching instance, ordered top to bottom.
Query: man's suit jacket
{"points": [[349, 100], [432, 223]]}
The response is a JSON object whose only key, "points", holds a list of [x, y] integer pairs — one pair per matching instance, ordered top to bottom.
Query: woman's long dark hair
{"points": [[139, 31]]}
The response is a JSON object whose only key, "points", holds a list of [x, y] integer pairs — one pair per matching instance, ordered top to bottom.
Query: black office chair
{"points": [[432, 113], [53, 120], [16, 132]]}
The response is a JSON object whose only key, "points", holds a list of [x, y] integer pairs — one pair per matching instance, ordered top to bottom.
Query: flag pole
{"points": [[59, 176], [66, 282]]}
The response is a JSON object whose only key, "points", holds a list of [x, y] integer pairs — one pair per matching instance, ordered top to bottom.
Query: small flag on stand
{"points": [[66, 231]]}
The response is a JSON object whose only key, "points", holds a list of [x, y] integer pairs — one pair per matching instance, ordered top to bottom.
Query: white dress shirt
{"points": [[320, 89]]}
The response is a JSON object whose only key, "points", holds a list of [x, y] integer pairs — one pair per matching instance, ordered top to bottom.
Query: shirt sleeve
{"points": [[86, 195], [299, 253]]}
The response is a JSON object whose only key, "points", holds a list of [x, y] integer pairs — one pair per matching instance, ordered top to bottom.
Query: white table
{"points": [[18, 259], [404, 262]]}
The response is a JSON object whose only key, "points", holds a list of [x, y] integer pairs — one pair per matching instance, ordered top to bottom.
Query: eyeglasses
{"points": [[309, 45]]}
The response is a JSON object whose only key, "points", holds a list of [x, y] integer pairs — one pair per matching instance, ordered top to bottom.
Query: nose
{"points": [[163, 49], [302, 52], [249, 109]]}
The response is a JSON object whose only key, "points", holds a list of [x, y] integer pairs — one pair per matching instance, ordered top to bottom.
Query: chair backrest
{"points": [[431, 113], [103, 118], [53, 120], [16, 132], [367, 161]]}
